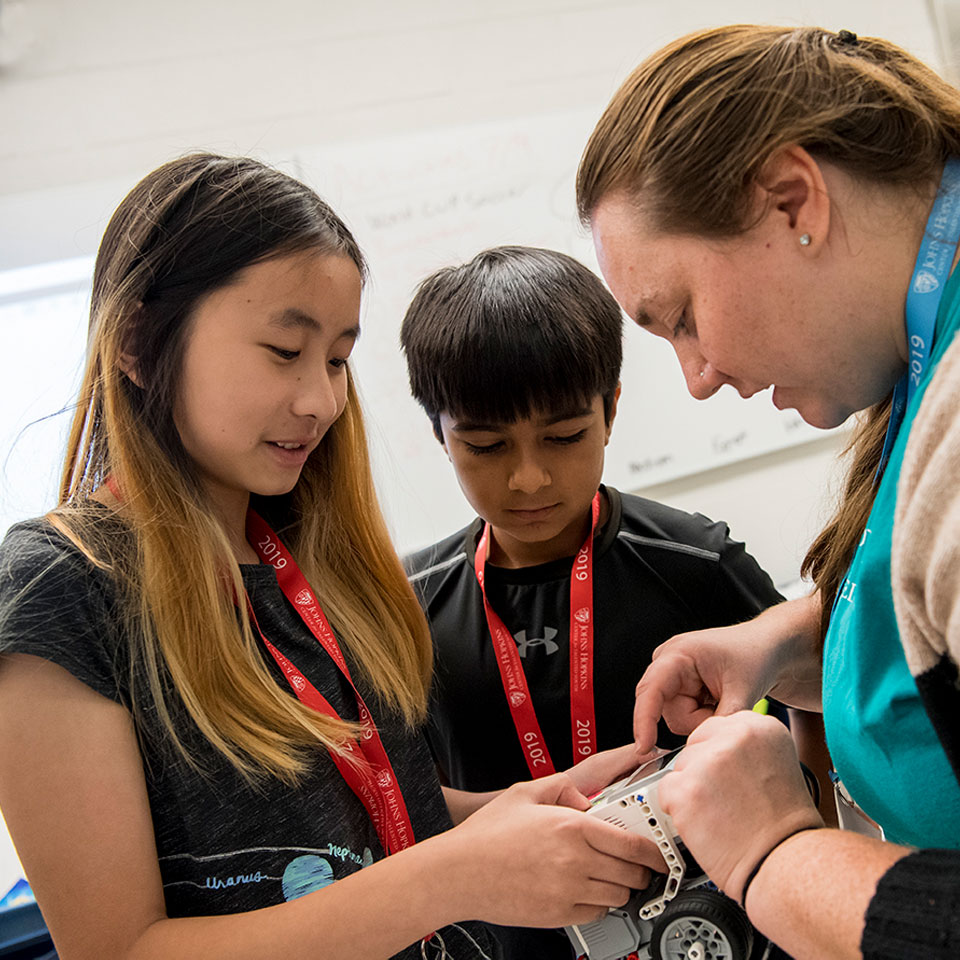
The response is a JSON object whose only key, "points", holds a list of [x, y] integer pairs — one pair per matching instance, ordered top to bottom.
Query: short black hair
{"points": [[515, 331]]}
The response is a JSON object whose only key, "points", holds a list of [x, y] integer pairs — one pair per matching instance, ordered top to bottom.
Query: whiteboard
{"points": [[415, 203], [418, 203]]}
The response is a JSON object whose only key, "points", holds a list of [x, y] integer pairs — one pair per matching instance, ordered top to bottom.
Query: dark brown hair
{"points": [[515, 330]]}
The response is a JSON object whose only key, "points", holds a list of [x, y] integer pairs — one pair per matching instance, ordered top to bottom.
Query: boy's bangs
{"points": [[516, 332], [523, 380]]}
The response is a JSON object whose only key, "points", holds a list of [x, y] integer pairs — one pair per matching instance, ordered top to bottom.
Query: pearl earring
{"points": [[805, 240]]}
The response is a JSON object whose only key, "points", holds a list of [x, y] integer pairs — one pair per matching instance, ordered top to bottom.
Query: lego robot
{"points": [[681, 915]]}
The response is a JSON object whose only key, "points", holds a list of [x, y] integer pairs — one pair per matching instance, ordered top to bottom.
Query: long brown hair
{"points": [[687, 136], [186, 229]]}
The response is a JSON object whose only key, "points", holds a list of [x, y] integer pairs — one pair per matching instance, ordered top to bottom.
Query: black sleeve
{"points": [[744, 589], [54, 604], [434, 737], [915, 913]]}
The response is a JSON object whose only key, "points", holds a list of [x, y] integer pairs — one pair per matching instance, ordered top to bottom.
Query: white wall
{"points": [[109, 89], [776, 503]]}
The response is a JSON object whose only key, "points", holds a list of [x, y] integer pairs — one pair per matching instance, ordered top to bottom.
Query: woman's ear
{"points": [[792, 189]]}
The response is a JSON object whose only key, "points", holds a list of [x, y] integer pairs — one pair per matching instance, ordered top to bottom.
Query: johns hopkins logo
{"points": [[926, 282], [303, 597], [582, 615], [546, 641], [298, 682], [518, 698], [384, 779]]}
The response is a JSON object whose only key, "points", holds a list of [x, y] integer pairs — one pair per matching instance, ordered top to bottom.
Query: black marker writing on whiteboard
{"points": [[726, 444]]}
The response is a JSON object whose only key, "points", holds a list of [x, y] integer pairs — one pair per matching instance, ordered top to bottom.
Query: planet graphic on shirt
{"points": [[305, 874]]}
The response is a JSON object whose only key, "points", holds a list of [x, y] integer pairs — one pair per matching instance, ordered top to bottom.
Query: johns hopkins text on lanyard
{"points": [[930, 274], [583, 725], [367, 771]]}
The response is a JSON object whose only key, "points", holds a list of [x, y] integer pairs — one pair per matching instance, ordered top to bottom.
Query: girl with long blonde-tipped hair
{"points": [[213, 669]]}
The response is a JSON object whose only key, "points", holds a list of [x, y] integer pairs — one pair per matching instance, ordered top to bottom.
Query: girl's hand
{"points": [[719, 671], [593, 774], [589, 776], [735, 791], [532, 858]]}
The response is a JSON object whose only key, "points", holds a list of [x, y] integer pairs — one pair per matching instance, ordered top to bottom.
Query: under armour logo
{"points": [[545, 641]]}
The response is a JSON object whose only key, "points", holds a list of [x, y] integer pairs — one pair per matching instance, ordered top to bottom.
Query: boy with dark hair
{"points": [[546, 609]]}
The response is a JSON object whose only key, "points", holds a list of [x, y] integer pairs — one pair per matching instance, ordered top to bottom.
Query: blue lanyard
{"points": [[930, 274]]}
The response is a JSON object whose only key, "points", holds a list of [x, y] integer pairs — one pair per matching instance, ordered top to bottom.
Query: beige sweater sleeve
{"points": [[925, 561]]}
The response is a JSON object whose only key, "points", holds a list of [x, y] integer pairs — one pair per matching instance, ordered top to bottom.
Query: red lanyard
{"points": [[582, 720], [367, 769]]}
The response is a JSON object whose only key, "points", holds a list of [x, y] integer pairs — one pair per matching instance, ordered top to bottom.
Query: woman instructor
{"points": [[783, 206]]}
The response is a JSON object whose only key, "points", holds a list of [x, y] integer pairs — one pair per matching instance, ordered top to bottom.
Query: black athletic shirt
{"points": [[657, 572], [224, 846]]}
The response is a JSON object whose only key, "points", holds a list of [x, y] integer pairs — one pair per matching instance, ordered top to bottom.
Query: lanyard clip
{"points": [[438, 944]]}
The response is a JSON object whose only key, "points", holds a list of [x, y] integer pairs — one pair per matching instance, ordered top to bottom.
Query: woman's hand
{"points": [[719, 671], [735, 792], [531, 857]]}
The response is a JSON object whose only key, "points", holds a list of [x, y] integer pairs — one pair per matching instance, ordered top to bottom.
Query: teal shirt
{"points": [[881, 740]]}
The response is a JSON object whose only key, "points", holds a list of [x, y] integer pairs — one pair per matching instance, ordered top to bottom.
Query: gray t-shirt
{"points": [[224, 846]]}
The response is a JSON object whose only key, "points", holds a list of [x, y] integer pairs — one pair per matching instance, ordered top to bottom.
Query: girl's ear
{"points": [[128, 360], [128, 364]]}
